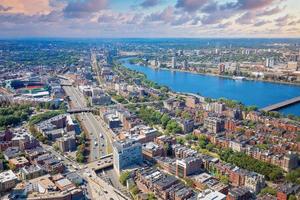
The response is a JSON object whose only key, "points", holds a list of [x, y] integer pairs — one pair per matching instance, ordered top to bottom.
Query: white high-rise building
{"points": [[173, 62], [269, 62], [126, 153]]}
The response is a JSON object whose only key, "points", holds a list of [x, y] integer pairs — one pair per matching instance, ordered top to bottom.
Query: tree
{"points": [[164, 120], [173, 127], [202, 142], [210, 146], [79, 157], [245, 161], [12, 167], [293, 176], [124, 177], [189, 182], [134, 190], [268, 190], [151, 196], [292, 197]]}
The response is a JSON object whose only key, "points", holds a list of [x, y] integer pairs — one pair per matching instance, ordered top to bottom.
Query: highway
{"points": [[98, 140], [100, 145], [95, 187]]}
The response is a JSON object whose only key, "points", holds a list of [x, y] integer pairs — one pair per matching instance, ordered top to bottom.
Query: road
{"points": [[77, 99], [100, 144], [95, 187]]}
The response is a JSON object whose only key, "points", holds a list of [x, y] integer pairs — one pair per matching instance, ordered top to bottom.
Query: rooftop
{"points": [[7, 176]]}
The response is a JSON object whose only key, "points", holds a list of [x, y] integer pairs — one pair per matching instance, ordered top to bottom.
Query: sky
{"points": [[149, 18]]}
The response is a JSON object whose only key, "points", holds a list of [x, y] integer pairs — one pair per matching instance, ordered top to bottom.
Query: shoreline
{"points": [[218, 75], [226, 77]]}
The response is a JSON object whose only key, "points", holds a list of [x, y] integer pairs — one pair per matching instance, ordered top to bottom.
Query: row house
{"points": [[165, 140], [181, 151], [287, 162], [240, 177], [205, 180], [164, 186]]}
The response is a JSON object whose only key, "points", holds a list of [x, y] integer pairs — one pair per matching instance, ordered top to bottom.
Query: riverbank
{"points": [[218, 75], [227, 77], [250, 91]]}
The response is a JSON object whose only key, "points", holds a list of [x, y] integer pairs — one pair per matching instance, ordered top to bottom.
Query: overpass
{"points": [[66, 84], [281, 104], [80, 110], [103, 163]]}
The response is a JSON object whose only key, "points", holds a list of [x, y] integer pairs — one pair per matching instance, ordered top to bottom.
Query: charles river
{"points": [[256, 93]]}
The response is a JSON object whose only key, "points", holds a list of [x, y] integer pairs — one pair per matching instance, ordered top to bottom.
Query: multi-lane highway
{"points": [[97, 135], [98, 141]]}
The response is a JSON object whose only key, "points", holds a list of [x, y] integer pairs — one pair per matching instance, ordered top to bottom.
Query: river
{"points": [[257, 93]]}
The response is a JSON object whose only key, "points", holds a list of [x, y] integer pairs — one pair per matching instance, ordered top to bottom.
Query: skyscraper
{"points": [[173, 62], [269, 62]]}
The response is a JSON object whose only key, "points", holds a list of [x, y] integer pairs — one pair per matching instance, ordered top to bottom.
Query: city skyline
{"points": [[149, 18]]}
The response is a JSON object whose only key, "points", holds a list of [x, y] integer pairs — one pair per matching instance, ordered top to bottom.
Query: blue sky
{"points": [[149, 18]]}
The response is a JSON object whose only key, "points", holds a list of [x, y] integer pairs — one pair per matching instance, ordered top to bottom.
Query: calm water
{"points": [[256, 93]]}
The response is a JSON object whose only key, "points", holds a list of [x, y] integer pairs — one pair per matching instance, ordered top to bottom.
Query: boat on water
{"points": [[238, 77]]}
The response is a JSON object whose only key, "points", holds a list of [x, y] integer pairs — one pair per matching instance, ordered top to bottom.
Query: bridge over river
{"points": [[281, 104]]}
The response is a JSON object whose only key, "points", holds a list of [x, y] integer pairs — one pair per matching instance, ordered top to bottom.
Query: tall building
{"points": [[173, 62], [269, 62], [185, 64], [222, 69], [126, 153]]}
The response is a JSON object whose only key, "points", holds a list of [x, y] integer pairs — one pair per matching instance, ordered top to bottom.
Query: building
{"points": [[269, 62], [173, 63], [293, 66], [222, 69], [100, 100], [191, 101], [215, 107], [112, 120], [214, 124], [187, 125], [143, 134], [67, 143], [151, 150], [11, 152], [126, 153], [290, 161], [18, 162], [53, 166], [188, 166], [31, 172], [75, 178], [8, 180], [206, 181], [255, 182], [164, 186], [47, 188], [287, 189], [239, 193], [211, 195]]}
